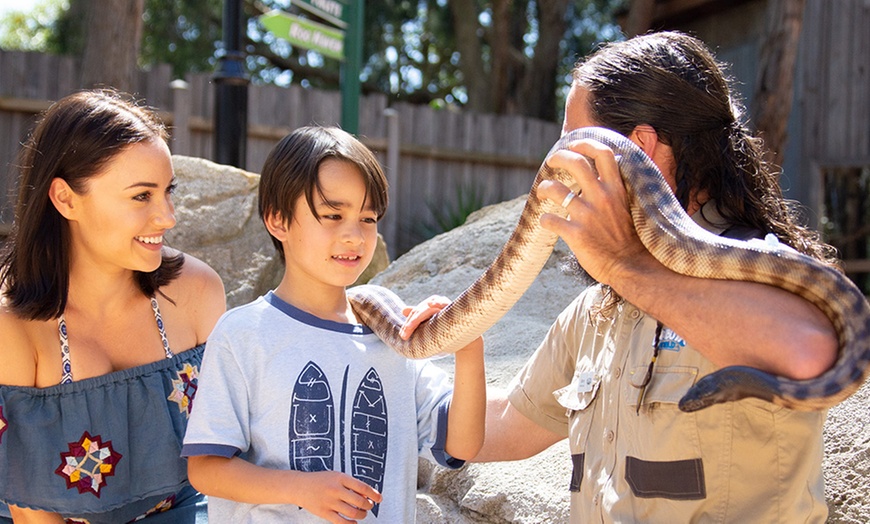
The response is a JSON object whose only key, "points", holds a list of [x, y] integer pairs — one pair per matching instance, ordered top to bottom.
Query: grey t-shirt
{"points": [[286, 390]]}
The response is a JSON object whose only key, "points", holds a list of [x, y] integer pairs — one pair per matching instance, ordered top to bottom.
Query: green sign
{"points": [[330, 10], [305, 33]]}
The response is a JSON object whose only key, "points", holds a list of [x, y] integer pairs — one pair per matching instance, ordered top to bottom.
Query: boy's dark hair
{"points": [[74, 139], [292, 167]]}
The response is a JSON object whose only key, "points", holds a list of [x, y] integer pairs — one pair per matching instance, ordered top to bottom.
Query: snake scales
{"points": [[681, 245]]}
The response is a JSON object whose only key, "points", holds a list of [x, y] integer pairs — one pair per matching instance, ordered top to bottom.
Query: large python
{"points": [[678, 243]]}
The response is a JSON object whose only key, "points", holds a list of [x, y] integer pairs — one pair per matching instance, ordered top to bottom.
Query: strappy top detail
{"points": [[66, 378]]}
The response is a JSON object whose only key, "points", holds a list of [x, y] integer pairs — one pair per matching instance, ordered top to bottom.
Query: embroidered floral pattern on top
{"points": [[184, 388], [3, 424], [88, 463]]}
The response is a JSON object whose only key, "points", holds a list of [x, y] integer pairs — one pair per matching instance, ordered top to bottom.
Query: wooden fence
{"points": [[437, 161]]}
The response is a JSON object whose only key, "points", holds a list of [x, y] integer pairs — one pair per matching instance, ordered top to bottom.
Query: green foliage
{"points": [[31, 31], [182, 33], [410, 50], [450, 215]]}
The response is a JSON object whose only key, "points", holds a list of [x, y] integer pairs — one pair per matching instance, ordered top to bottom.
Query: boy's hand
{"points": [[424, 311], [421, 313], [337, 497]]}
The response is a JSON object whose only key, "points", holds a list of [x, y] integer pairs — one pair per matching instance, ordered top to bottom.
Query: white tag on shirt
{"points": [[584, 382]]}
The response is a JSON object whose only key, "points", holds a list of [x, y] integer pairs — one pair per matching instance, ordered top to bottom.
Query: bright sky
{"points": [[16, 5]]}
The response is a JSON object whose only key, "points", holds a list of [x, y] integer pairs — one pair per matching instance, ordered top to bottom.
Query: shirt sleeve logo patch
{"points": [[670, 341]]}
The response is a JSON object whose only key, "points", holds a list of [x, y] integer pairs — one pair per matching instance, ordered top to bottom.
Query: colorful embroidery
{"points": [[161, 328], [66, 378], [184, 389], [3, 424], [88, 463], [163, 505]]}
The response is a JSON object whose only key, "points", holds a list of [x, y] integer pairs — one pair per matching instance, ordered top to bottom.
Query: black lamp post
{"points": [[231, 92]]}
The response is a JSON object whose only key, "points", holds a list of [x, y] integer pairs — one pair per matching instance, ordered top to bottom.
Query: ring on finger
{"points": [[568, 198]]}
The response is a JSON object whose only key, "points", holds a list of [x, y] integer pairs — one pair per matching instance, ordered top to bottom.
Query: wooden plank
{"points": [[859, 79], [812, 87], [836, 99], [12, 104], [856, 266]]}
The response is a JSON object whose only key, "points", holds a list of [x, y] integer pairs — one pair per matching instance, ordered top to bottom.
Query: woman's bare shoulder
{"points": [[199, 291], [17, 349]]}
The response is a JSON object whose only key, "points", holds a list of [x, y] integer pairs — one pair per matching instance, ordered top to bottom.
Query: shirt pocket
{"points": [[666, 385], [577, 398]]}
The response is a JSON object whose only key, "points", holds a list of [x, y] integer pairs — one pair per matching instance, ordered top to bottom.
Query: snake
{"points": [[678, 243]]}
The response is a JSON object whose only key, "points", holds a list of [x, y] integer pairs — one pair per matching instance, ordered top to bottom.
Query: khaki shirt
{"points": [[743, 462]]}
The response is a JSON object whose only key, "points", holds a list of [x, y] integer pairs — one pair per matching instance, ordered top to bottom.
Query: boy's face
{"points": [[334, 250]]}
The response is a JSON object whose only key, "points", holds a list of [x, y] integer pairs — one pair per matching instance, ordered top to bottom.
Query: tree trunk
{"points": [[640, 17], [112, 37], [468, 43], [501, 45], [775, 83], [538, 93]]}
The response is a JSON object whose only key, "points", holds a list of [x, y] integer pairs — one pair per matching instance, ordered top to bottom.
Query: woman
{"points": [[97, 322]]}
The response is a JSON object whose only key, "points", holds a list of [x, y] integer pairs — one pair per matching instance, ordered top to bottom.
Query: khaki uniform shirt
{"points": [[743, 462]]}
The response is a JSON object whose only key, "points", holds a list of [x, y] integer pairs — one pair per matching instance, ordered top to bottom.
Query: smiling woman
{"points": [[102, 326]]}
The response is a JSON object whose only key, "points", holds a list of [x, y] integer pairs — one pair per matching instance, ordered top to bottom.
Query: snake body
{"points": [[678, 243]]}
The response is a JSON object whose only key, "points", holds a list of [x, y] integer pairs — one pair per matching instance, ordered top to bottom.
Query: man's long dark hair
{"points": [[671, 81], [75, 138]]}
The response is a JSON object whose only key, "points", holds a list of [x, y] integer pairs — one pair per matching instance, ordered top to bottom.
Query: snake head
{"points": [[729, 384]]}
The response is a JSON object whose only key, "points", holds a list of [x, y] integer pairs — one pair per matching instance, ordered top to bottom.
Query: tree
{"points": [[640, 17], [30, 31], [105, 36], [111, 44], [503, 56], [774, 87]]}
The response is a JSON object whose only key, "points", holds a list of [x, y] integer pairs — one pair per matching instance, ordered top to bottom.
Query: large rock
{"points": [[216, 210], [536, 490]]}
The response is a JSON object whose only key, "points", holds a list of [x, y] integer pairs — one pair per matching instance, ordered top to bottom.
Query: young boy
{"points": [[302, 413]]}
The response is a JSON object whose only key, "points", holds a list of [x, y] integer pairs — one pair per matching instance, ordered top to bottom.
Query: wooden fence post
{"points": [[180, 117], [392, 172]]}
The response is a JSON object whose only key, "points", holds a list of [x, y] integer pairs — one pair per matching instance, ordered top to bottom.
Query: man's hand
{"points": [[599, 229]]}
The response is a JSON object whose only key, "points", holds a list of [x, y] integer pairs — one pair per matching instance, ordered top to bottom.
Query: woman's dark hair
{"points": [[671, 81], [74, 140], [292, 167]]}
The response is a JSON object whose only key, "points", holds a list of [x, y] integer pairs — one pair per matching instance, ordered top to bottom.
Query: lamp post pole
{"points": [[350, 69], [231, 92]]}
